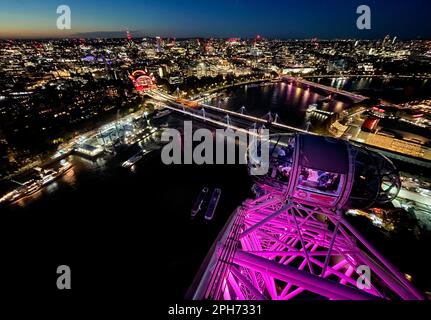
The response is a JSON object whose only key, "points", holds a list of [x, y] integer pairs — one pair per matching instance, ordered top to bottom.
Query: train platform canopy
{"points": [[89, 150]]}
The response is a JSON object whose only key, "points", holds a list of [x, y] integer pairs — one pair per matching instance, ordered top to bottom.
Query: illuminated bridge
{"points": [[354, 96], [189, 108], [222, 117], [292, 241]]}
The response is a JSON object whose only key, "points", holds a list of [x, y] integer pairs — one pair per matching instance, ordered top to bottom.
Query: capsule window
{"points": [[319, 181]]}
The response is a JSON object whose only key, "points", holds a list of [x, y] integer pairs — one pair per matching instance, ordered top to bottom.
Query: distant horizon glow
{"points": [[280, 19]]}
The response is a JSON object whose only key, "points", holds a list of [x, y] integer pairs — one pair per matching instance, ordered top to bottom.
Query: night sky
{"points": [[323, 19]]}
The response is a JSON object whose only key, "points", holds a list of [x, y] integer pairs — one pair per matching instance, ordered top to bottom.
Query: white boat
{"points": [[133, 160], [64, 167], [51, 175], [47, 179], [32, 186], [199, 201], [212, 206]]}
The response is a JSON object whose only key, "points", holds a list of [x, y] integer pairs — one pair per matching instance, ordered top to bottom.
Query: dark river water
{"points": [[288, 101], [111, 224], [130, 230]]}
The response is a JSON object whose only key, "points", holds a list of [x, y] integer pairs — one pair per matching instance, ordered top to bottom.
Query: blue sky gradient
{"points": [[221, 18]]}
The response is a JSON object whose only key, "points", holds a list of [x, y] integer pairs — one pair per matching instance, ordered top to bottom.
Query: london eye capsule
{"points": [[326, 172]]}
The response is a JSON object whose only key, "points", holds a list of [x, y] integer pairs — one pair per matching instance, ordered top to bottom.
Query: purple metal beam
{"points": [[280, 240], [324, 287], [407, 290]]}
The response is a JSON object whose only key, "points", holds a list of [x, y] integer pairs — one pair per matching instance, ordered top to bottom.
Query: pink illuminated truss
{"points": [[279, 250]]}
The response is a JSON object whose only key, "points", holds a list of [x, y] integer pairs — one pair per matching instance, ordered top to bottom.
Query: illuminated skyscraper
{"points": [[158, 44]]}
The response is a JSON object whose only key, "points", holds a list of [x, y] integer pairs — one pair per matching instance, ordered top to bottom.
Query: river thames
{"points": [[101, 219]]}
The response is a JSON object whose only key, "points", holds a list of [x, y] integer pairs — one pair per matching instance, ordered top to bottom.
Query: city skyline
{"points": [[221, 19], [233, 150]]}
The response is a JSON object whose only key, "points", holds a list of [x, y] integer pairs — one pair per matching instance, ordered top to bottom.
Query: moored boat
{"points": [[212, 206], [197, 207]]}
